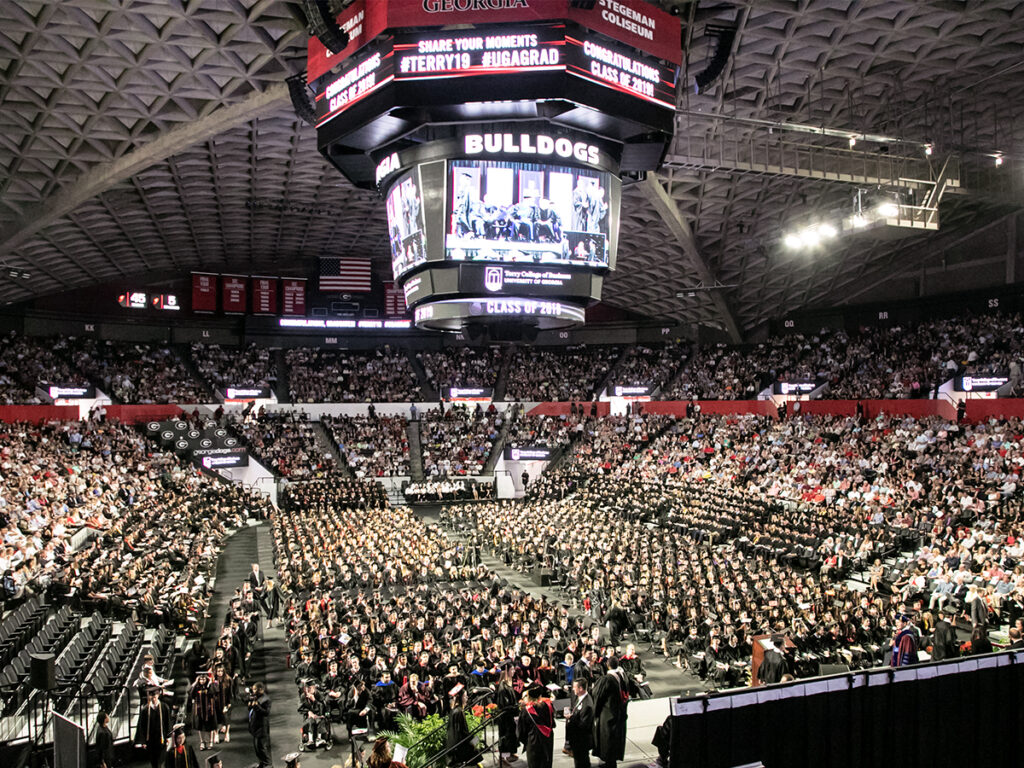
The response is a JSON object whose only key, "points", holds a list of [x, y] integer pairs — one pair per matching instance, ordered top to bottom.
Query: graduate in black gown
{"points": [[505, 698], [610, 716], [154, 727], [536, 728], [104, 742], [180, 755]]}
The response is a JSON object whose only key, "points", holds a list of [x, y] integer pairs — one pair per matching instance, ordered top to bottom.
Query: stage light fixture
{"points": [[853, 142], [928, 149], [999, 160], [889, 210], [859, 221], [826, 231], [810, 238], [793, 241]]}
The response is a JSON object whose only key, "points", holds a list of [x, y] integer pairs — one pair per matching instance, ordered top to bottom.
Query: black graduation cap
{"points": [[536, 691], [213, 759]]}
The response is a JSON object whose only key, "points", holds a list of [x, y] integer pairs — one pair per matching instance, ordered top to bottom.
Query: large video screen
{"points": [[514, 212], [405, 223]]}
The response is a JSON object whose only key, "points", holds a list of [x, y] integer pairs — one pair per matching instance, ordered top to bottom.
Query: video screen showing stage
{"points": [[527, 212], [405, 223]]}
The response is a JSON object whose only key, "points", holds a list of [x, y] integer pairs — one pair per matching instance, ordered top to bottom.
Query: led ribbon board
{"points": [[520, 52]]}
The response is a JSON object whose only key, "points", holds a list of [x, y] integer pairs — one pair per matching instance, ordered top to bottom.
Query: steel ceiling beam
{"points": [[101, 178], [659, 198]]}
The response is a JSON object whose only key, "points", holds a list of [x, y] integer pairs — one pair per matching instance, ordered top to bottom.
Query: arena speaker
{"points": [[323, 25], [723, 49], [300, 99], [824, 670], [42, 671]]}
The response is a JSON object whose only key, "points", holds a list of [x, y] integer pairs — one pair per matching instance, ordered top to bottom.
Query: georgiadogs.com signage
{"points": [[636, 23]]}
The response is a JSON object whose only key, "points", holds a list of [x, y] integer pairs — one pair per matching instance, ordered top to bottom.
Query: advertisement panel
{"points": [[522, 280], [983, 383], [796, 386], [631, 391], [71, 392], [244, 394], [469, 394], [527, 453], [221, 458]]}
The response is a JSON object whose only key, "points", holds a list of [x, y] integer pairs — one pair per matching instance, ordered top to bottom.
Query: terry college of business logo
{"points": [[494, 278]]}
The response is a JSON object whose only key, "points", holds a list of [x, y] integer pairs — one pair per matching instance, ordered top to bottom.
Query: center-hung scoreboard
{"points": [[498, 133]]}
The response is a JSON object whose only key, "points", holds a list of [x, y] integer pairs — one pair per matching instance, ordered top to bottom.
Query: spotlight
{"points": [[853, 142], [928, 149], [999, 160], [889, 210], [859, 221], [827, 231], [809, 237], [793, 241]]}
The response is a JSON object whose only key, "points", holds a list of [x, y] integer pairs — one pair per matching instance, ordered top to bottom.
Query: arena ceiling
{"points": [[144, 139]]}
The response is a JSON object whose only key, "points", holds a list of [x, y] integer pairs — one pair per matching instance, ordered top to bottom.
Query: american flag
{"points": [[343, 275]]}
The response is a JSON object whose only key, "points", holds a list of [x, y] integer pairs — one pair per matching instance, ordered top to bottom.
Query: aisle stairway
{"points": [[184, 354], [612, 371], [684, 371], [501, 384], [281, 386], [428, 393], [412, 429], [327, 444], [498, 447]]}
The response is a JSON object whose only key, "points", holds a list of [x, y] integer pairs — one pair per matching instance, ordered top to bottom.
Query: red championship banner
{"points": [[636, 23], [204, 292], [233, 293], [264, 295], [293, 297], [394, 300]]}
